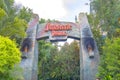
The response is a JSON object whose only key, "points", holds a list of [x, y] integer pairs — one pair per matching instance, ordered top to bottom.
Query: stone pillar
{"points": [[89, 57], [35, 63], [29, 64]]}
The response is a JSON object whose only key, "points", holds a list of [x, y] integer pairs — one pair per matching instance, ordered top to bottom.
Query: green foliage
{"points": [[7, 5], [2, 13], [25, 13], [107, 14], [106, 18], [13, 21], [44, 21], [94, 22], [14, 29], [117, 33], [99, 38], [9, 56], [44, 59], [69, 59], [110, 60], [58, 64], [16, 73], [13, 74]]}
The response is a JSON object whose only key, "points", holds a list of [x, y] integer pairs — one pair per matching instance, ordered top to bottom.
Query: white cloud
{"points": [[69, 1], [52, 9], [56, 9]]}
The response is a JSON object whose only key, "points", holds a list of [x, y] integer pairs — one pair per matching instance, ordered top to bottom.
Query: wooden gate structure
{"points": [[57, 31]]}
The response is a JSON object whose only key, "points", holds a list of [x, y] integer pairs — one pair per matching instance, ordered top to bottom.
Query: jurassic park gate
{"points": [[57, 31]]}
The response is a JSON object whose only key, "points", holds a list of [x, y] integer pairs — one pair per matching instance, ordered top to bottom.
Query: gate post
{"points": [[89, 56], [30, 62]]}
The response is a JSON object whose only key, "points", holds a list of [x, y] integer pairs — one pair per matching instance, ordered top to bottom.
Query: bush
{"points": [[9, 56], [110, 60]]}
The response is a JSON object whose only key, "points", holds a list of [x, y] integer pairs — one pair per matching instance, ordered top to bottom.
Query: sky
{"points": [[62, 10]]}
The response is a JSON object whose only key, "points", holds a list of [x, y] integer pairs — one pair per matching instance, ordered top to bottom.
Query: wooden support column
{"points": [[89, 56], [30, 63]]}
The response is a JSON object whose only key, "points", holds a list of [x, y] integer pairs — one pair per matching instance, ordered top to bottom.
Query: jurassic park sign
{"points": [[58, 29]]}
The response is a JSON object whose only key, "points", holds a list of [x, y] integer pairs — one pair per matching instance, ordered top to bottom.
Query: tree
{"points": [[2, 13], [25, 13], [107, 13], [107, 16], [13, 21], [44, 21], [12, 25], [14, 29], [96, 30], [117, 33], [46, 53], [9, 56], [110, 60], [66, 62], [75, 63], [59, 64]]}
